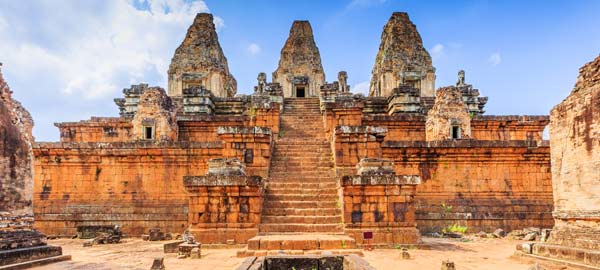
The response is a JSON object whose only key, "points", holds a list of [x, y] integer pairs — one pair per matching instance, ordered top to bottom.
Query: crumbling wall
{"points": [[575, 144], [15, 154], [137, 185]]}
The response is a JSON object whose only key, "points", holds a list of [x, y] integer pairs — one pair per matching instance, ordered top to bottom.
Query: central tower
{"points": [[300, 72]]}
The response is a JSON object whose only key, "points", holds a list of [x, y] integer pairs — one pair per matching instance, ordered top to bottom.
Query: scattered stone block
{"points": [[499, 233], [156, 235], [530, 236], [145, 237], [88, 243], [172, 247], [185, 249], [196, 253], [404, 254], [158, 264], [448, 265]]}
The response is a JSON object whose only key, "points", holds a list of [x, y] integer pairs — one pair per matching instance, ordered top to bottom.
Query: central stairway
{"points": [[301, 209]]}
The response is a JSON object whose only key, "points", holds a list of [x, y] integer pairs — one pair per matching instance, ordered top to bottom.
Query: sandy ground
{"points": [[492, 254]]}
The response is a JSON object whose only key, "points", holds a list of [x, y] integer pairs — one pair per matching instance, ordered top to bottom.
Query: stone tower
{"points": [[402, 59], [199, 61], [300, 72], [449, 118], [16, 157]]}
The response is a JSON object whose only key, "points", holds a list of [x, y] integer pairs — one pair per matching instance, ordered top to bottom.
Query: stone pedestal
{"points": [[379, 201], [225, 204]]}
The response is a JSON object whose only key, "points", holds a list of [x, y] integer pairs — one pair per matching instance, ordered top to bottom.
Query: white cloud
{"points": [[94, 49], [254, 49], [437, 50], [495, 59], [361, 88]]}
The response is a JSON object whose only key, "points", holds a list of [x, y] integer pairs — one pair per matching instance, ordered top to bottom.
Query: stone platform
{"points": [[294, 244], [22, 258]]}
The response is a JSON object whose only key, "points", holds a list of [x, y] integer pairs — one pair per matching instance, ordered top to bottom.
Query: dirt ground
{"points": [[492, 254]]}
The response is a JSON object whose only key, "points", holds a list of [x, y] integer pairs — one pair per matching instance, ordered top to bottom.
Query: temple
{"points": [[298, 156]]}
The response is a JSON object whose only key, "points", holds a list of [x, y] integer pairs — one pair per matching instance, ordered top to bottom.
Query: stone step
{"points": [[315, 158], [304, 168], [299, 172], [294, 175], [299, 180], [302, 185], [320, 191], [300, 197], [300, 204], [302, 212], [302, 219], [300, 228], [301, 242], [243, 253]]}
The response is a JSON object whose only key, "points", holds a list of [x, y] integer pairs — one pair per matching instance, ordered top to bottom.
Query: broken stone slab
{"points": [[244, 130], [371, 130], [371, 166], [226, 167], [364, 180], [499, 233], [530, 236], [172, 247], [185, 250]]}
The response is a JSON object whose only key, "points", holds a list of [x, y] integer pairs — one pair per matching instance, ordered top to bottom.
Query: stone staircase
{"points": [[302, 193], [301, 209]]}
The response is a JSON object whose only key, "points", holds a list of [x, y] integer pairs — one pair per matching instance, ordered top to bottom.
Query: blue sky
{"points": [[67, 60]]}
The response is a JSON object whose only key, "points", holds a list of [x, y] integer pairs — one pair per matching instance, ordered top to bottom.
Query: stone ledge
{"points": [[395, 117], [212, 118], [518, 118], [95, 122], [244, 130], [361, 130], [463, 144], [128, 145], [380, 179], [221, 180], [577, 214], [22, 255], [584, 257]]}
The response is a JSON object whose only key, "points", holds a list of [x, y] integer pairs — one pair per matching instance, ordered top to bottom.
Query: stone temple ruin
{"points": [[303, 164]]}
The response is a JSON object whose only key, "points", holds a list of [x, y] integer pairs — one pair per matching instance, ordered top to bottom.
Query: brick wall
{"points": [[97, 129], [136, 185], [484, 185], [383, 207]]}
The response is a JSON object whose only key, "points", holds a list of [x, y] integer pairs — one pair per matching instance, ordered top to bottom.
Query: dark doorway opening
{"points": [[300, 92], [455, 132], [149, 133]]}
